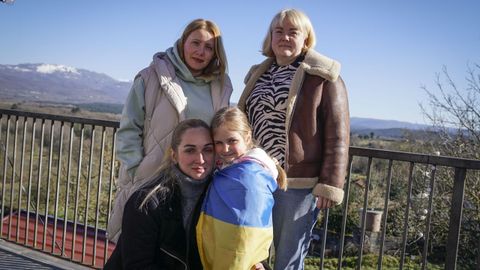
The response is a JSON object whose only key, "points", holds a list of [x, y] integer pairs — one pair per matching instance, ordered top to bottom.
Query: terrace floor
{"points": [[13, 256]]}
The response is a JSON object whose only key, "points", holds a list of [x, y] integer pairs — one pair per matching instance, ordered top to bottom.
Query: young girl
{"points": [[235, 227]]}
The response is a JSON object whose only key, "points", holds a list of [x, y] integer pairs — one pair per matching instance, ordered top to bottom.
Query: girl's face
{"points": [[287, 42], [198, 50], [229, 145], [195, 154]]}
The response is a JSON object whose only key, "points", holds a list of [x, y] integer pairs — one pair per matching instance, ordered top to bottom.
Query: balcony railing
{"points": [[57, 184]]}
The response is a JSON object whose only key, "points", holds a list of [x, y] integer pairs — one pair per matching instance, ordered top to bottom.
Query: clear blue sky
{"points": [[388, 49]]}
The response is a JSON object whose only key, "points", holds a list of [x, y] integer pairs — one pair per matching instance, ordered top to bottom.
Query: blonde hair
{"points": [[297, 18], [218, 64], [235, 120], [168, 179]]}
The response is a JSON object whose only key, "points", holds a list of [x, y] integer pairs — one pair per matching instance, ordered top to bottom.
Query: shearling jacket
{"points": [[165, 105], [317, 125]]}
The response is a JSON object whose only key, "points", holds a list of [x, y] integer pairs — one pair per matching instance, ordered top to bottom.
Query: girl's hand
{"points": [[258, 266]]}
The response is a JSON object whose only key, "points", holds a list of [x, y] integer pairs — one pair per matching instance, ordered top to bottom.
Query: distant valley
{"points": [[62, 86]]}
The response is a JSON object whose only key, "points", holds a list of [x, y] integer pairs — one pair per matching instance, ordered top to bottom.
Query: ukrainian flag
{"points": [[235, 226]]}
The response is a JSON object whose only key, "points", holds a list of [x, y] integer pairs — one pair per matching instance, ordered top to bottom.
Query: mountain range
{"points": [[59, 83], [68, 85]]}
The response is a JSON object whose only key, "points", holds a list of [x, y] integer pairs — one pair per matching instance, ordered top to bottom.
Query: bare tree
{"points": [[455, 115]]}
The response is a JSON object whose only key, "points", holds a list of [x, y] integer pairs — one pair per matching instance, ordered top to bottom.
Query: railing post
{"points": [[5, 170], [12, 180], [110, 191], [345, 213], [364, 214], [385, 215], [429, 218], [455, 218], [405, 219], [324, 237]]}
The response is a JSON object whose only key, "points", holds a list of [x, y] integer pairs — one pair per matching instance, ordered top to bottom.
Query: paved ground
{"points": [[13, 256]]}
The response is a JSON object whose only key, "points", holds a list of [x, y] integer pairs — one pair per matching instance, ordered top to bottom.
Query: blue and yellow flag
{"points": [[235, 226]]}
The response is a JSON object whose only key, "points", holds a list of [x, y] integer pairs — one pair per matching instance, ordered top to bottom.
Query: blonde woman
{"points": [[188, 80], [296, 103]]}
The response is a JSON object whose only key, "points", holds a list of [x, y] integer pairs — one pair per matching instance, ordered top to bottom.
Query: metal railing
{"points": [[417, 173], [57, 181], [56, 184]]}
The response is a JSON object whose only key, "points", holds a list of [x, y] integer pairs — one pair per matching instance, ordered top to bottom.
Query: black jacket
{"points": [[155, 238]]}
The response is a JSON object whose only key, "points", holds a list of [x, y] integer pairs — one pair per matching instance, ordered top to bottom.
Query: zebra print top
{"points": [[266, 108]]}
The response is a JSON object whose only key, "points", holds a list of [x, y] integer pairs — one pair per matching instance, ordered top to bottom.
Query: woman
{"points": [[189, 80], [297, 105], [158, 226]]}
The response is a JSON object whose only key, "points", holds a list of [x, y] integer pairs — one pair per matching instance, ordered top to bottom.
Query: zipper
{"points": [[175, 257]]}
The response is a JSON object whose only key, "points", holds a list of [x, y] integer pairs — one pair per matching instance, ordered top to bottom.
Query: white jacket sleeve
{"points": [[130, 134]]}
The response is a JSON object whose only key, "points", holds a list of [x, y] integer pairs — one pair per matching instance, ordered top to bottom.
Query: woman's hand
{"points": [[324, 203]]}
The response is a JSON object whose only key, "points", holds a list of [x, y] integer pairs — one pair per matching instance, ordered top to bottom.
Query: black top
{"points": [[154, 237]]}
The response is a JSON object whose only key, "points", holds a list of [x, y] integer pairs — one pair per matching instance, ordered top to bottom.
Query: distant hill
{"points": [[59, 83], [358, 123], [386, 128]]}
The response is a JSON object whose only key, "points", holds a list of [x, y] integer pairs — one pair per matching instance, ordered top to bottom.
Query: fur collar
{"points": [[314, 63], [320, 65]]}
